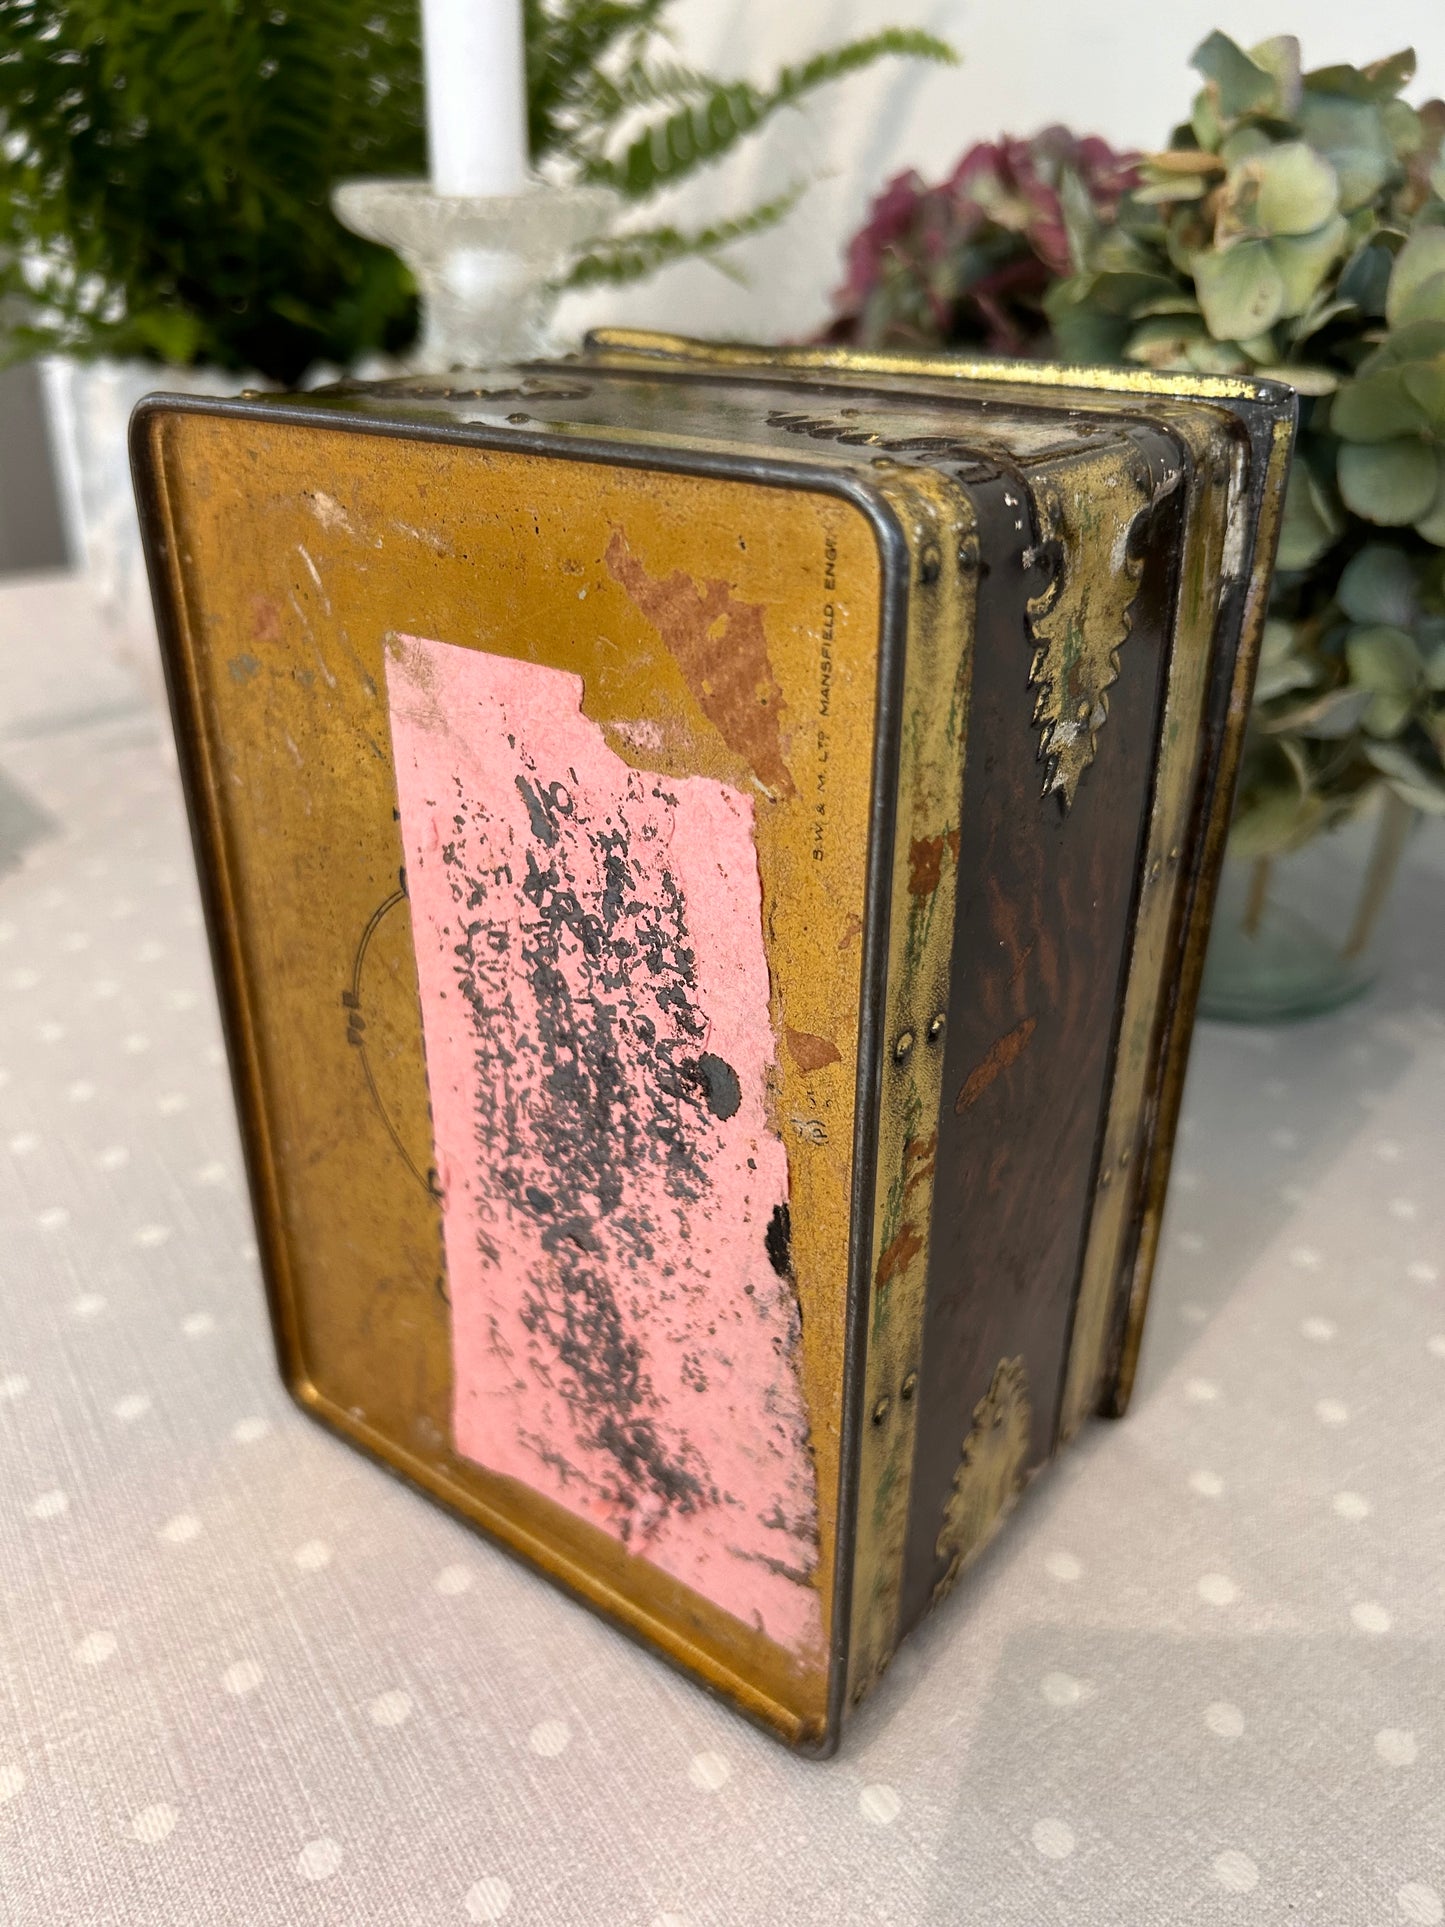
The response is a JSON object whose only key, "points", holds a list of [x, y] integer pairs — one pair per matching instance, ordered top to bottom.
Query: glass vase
{"points": [[1299, 934]]}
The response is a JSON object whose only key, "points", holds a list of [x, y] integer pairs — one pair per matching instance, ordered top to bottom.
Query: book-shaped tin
{"points": [[708, 853]]}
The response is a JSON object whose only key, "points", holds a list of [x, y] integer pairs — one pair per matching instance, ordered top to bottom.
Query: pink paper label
{"points": [[594, 993]]}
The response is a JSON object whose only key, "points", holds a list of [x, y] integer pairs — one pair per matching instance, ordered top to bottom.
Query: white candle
{"points": [[476, 95]]}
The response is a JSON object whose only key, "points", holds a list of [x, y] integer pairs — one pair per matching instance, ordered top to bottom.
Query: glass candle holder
{"points": [[488, 269]]}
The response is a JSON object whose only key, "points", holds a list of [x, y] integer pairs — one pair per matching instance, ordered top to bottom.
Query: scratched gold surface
{"points": [[938, 518], [294, 552]]}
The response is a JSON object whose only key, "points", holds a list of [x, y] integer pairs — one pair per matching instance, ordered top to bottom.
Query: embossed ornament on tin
{"points": [[595, 1015]]}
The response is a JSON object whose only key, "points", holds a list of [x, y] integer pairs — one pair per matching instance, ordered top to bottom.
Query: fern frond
{"points": [[567, 46], [702, 131], [632, 257]]}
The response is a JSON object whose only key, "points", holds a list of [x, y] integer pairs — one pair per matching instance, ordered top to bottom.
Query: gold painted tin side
{"points": [[629, 346], [938, 522], [291, 554], [1162, 885], [1156, 1021], [1136, 1285]]}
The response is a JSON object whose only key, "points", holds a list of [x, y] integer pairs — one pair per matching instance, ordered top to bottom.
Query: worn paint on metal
{"points": [[594, 993]]}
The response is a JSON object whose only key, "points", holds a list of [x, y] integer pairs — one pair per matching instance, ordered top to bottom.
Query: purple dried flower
{"points": [[968, 261]]}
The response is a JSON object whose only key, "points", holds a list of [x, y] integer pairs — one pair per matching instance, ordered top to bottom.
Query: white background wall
{"points": [[1113, 67]]}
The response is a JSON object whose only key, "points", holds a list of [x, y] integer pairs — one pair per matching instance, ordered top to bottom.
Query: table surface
{"points": [[247, 1678]]}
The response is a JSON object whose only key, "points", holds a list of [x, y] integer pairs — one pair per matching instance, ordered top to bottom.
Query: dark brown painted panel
{"points": [[1045, 907]]}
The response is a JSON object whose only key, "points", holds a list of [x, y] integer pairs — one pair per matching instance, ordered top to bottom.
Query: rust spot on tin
{"points": [[265, 619], [721, 647], [243, 667], [925, 861], [852, 929], [1009, 1048], [810, 1052], [918, 1156], [899, 1254]]}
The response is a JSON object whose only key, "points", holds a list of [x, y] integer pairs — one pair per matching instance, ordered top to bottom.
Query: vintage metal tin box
{"points": [[708, 854]]}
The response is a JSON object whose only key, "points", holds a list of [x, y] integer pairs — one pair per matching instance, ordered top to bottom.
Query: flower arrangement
{"points": [[1294, 227]]}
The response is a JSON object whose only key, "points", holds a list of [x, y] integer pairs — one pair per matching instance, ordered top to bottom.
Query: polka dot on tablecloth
{"points": [[113, 1158], [212, 1173], [54, 1217], [150, 1236], [1305, 1258], [89, 1304], [198, 1324], [1321, 1330], [1435, 1345], [14, 1385], [1201, 1391], [133, 1406], [1331, 1411], [248, 1431], [1208, 1485], [49, 1505], [1351, 1505], [181, 1530], [313, 1555], [1063, 1566], [453, 1580], [1217, 1589], [1370, 1617], [95, 1649], [243, 1677], [1061, 1689], [390, 1709], [1224, 1720], [549, 1738], [1396, 1746], [708, 1771], [880, 1804], [154, 1824], [1053, 1838], [319, 1859], [1235, 1871], [489, 1899], [1420, 1905]]}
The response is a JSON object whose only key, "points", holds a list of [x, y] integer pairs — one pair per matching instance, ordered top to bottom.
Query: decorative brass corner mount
{"points": [[990, 1472]]}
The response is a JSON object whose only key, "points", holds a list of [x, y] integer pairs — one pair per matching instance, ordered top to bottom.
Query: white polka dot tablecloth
{"points": [[247, 1678]]}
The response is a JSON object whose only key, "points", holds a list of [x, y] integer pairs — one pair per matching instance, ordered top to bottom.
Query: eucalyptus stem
{"points": [[1396, 816], [1258, 895]]}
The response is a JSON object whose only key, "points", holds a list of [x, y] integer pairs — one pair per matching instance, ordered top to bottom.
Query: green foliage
{"points": [[619, 115], [166, 165], [165, 172], [1295, 227]]}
